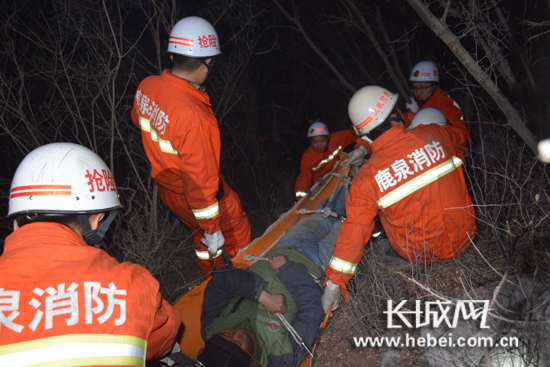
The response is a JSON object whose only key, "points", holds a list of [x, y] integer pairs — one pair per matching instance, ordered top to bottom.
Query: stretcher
{"points": [[190, 304]]}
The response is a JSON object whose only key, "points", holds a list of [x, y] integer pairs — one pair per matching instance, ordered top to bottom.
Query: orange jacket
{"points": [[443, 102], [182, 141], [364, 141], [315, 164], [415, 182], [61, 296]]}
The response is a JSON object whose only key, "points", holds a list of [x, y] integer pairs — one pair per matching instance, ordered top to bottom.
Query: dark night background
{"points": [[70, 68]]}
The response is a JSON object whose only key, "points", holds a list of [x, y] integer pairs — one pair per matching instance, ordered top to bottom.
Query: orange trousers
{"points": [[233, 222]]}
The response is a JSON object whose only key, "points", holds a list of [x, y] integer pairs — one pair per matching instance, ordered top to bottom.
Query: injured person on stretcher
{"points": [[269, 314]]}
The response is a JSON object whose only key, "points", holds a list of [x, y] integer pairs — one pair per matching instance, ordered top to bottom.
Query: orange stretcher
{"points": [[190, 304]]}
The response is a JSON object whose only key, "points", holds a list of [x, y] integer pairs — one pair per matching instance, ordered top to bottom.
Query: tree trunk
{"points": [[450, 39]]}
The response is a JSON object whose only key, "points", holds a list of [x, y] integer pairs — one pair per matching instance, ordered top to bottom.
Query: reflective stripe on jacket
{"points": [[415, 182], [63, 302], [75, 350]]}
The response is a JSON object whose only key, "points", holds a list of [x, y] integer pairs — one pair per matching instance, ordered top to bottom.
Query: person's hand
{"points": [[413, 106], [355, 158], [214, 242], [277, 261], [331, 296], [273, 303]]}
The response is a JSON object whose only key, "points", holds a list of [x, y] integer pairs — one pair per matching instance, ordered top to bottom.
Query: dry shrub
{"points": [[509, 188], [166, 251]]}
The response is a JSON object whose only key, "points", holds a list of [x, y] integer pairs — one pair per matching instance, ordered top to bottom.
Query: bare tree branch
{"points": [[304, 34], [370, 34], [452, 41], [395, 60]]}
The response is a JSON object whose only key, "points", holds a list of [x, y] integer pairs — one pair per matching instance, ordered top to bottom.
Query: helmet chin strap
{"points": [[208, 66], [398, 117], [94, 236]]}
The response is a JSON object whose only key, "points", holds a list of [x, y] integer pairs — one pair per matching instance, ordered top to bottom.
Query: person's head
{"points": [[192, 45], [188, 64], [424, 78], [370, 107], [427, 116], [395, 119], [319, 135], [64, 183], [230, 348]]}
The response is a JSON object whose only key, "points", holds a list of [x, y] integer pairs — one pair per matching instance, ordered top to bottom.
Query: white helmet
{"points": [[194, 37], [424, 71], [370, 106], [427, 116], [317, 129], [543, 148], [64, 178]]}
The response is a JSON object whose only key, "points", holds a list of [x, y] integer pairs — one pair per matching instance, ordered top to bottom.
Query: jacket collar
{"points": [[169, 74], [435, 95], [387, 137], [42, 233]]}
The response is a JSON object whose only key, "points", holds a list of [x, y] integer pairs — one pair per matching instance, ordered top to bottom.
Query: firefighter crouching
{"points": [[424, 80], [182, 141], [320, 157], [413, 181], [62, 300]]}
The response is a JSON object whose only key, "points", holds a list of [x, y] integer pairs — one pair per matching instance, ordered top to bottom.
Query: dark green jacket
{"points": [[231, 301]]}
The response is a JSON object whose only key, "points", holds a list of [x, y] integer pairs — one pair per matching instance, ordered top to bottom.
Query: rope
{"points": [[338, 183], [323, 187], [325, 211], [252, 257], [297, 338]]}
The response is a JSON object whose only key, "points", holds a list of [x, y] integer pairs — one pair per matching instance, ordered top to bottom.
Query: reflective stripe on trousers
{"points": [[205, 255], [76, 350]]}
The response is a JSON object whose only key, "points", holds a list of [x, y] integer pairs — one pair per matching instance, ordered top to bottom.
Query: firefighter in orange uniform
{"points": [[424, 78], [182, 141], [365, 142], [320, 157], [413, 181], [64, 302]]}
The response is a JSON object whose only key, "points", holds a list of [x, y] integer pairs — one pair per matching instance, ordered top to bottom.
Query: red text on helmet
{"points": [[103, 182]]}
